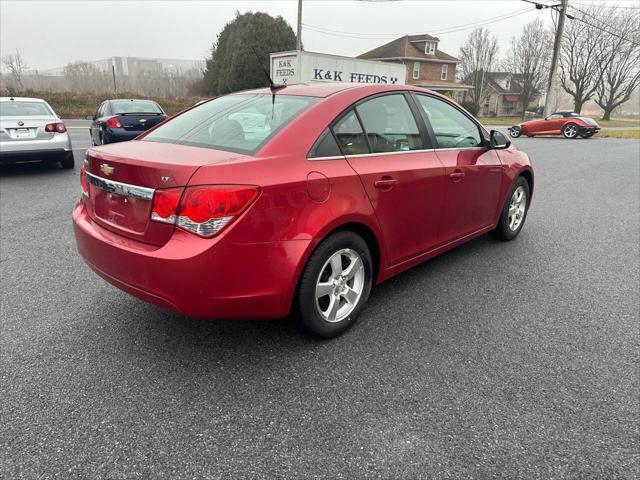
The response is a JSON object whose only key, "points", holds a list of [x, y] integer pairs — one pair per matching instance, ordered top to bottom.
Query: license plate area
{"points": [[22, 133], [123, 206]]}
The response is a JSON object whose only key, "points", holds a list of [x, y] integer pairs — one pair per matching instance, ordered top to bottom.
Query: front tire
{"points": [[570, 130], [515, 131], [514, 212], [335, 285]]}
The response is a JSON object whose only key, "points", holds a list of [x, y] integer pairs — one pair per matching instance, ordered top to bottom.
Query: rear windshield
{"points": [[134, 106], [24, 109], [238, 123]]}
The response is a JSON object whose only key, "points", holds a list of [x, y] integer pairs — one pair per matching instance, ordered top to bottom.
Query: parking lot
{"points": [[511, 360]]}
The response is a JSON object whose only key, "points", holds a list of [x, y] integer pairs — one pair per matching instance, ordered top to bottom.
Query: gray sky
{"points": [[53, 33]]}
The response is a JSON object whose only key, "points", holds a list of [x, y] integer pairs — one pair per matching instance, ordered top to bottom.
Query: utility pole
{"points": [[562, 13], [299, 32], [113, 72]]}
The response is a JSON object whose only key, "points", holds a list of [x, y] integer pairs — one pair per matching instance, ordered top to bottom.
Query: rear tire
{"points": [[570, 130], [68, 161], [514, 212], [335, 284]]}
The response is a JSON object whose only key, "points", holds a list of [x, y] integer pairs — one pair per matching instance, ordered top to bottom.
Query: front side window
{"points": [[416, 70], [443, 72], [15, 108], [554, 116], [238, 123], [389, 124], [451, 127], [350, 136]]}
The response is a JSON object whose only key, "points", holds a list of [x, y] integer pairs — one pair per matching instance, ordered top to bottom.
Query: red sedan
{"points": [[567, 124], [256, 204]]}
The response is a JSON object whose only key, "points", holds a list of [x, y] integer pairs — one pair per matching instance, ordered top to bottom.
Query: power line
{"points": [[598, 27], [457, 28]]}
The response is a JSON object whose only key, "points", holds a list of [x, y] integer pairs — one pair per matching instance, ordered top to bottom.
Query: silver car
{"points": [[31, 131]]}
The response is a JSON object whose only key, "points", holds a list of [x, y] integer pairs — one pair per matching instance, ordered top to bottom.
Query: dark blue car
{"points": [[122, 120]]}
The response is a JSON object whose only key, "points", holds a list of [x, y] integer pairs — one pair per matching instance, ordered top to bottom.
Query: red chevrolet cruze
{"points": [[256, 204]]}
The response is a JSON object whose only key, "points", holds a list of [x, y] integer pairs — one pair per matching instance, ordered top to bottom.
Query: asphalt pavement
{"points": [[515, 360]]}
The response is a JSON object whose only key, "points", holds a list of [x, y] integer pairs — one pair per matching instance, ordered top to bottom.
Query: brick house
{"points": [[426, 65], [503, 95]]}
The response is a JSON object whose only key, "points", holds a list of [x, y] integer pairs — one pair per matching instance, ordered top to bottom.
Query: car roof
{"points": [[330, 88], [21, 99]]}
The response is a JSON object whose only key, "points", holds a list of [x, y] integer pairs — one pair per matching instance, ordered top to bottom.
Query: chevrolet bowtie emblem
{"points": [[106, 169]]}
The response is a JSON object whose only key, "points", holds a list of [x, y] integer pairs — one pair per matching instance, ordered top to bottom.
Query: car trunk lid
{"points": [[139, 122], [25, 128], [124, 176]]}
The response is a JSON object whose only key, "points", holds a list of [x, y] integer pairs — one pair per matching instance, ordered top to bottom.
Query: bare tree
{"points": [[579, 56], [477, 57], [528, 59], [619, 62], [16, 66], [85, 77]]}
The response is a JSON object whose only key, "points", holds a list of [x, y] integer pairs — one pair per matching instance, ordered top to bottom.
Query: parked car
{"points": [[121, 120], [570, 125], [31, 131], [335, 188]]}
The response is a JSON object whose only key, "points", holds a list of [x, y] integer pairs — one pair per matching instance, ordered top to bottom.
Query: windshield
{"points": [[134, 106], [24, 109], [238, 123]]}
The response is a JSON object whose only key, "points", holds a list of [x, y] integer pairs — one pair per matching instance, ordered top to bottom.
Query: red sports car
{"points": [[570, 125], [256, 204]]}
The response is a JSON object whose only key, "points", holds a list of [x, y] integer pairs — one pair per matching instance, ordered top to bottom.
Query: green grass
{"points": [[81, 105], [618, 122], [633, 133]]}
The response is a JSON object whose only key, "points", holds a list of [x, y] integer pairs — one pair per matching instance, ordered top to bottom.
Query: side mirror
{"points": [[498, 140]]}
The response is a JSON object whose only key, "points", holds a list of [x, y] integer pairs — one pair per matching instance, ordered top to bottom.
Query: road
{"points": [[512, 360]]}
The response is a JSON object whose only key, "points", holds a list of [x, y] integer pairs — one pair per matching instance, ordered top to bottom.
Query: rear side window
{"points": [[121, 107], [24, 109], [238, 123], [390, 124], [451, 127], [350, 135], [326, 146]]}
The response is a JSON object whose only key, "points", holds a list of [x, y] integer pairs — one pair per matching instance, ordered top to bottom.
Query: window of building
{"points": [[430, 48], [416, 70], [443, 71], [389, 124], [451, 127]]}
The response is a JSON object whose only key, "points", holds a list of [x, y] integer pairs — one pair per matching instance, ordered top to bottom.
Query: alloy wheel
{"points": [[570, 131], [517, 207], [340, 285]]}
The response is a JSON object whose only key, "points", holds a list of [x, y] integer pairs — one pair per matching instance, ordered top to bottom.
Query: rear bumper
{"points": [[114, 135], [59, 142], [33, 156], [205, 278]]}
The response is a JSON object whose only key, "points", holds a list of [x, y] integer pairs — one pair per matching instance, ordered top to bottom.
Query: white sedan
{"points": [[31, 131]]}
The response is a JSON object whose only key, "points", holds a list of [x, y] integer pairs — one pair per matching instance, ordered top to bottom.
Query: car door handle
{"points": [[456, 176], [385, 183]]}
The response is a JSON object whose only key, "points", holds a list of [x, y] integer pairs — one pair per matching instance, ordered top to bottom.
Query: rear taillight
{"points": [[114, 122], [55, 127], [83, 181], [203, 210]]}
